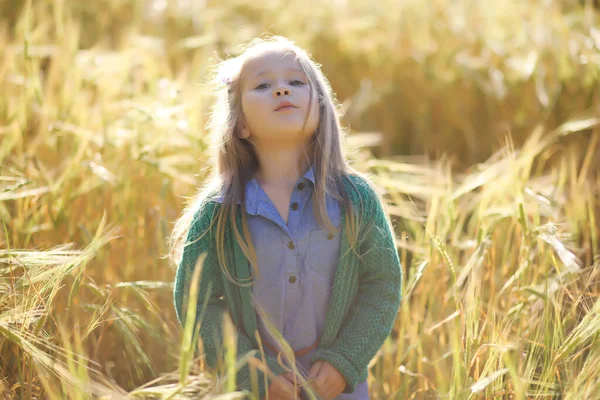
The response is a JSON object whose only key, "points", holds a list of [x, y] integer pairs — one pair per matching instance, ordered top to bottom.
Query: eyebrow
{"points": [[287, 69]]}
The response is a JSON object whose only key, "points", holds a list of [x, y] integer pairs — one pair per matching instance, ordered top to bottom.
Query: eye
{"points": [[299, 82], [259, 86]]}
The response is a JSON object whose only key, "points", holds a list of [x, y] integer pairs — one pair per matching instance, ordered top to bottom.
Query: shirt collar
{"points": [[252, 187]]}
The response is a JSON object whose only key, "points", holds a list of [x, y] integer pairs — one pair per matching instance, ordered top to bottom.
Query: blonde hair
{"points": [[236, 160]]}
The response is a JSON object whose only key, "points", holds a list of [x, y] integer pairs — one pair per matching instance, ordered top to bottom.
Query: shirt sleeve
{"points": [[199, 241], [371, 317]]}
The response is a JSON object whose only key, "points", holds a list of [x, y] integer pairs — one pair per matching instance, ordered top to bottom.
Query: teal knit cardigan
{"points": [[362, 308]]}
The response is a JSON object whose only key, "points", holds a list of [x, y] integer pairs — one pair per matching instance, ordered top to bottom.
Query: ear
{"points": [[244, 132]]}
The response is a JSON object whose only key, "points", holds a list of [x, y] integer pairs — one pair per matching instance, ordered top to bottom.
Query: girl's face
{"points": [[269, 79]]}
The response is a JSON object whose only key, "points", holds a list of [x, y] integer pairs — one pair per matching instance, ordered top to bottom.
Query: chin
{"points": [[287, 129], [291, 134]]}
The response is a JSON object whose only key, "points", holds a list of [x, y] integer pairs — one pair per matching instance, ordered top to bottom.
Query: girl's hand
{"points": [[329, 382], [282, 388]]}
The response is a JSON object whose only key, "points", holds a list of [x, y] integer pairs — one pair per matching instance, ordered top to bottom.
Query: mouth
{"points": [[286, 105], [285, 108]]}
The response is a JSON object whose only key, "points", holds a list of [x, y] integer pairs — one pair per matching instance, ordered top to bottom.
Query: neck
{"points": [[281, 167]]}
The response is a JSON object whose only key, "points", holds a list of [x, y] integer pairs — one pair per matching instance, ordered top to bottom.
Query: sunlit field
{"points": [[479, 120]]}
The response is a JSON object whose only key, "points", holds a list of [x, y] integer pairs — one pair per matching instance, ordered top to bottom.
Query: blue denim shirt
{"points": [[296, 263]]}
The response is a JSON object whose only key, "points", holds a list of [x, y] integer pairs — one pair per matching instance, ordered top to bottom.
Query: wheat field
{"points": [[479, 120]]}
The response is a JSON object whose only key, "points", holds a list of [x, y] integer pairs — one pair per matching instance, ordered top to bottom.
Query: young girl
{"points": [[289, 229]]}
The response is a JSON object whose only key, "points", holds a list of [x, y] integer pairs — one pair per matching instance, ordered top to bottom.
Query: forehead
{"points": [[270, 60]]}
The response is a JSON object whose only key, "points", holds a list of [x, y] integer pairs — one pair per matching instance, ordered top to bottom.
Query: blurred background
{"points": [[479, 120]]}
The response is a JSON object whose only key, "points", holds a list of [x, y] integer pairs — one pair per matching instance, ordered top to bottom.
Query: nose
{"points": [[280, 91]]}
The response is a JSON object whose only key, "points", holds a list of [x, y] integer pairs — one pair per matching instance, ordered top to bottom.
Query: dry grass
{"points": [[101, 136]]}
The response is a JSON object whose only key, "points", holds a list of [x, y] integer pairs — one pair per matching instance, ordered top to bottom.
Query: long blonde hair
{"points": [[236, 160]]}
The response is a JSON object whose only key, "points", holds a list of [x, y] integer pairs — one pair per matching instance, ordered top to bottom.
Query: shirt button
{"points": [[300, 186], [294, 206], [329, 236], [291, 245], [292, 279]]}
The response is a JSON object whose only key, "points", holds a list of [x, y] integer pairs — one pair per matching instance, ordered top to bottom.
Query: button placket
{"points": [[294, 218], [292, 270], [292, 276]]}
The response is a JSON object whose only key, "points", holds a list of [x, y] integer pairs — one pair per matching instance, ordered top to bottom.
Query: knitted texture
{"points": [[362, 308]]}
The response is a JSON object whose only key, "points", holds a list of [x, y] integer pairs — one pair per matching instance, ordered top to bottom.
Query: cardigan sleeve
{"points": [[199, 241], [371, 317]]}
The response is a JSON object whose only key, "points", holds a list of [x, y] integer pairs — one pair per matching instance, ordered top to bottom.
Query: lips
{"points": [[284, 105]]}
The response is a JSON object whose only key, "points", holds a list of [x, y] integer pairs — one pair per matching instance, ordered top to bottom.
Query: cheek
{"points": [[252, 106], [315, 108], [312, 122]]}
